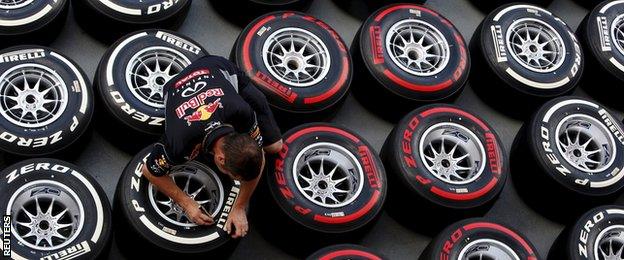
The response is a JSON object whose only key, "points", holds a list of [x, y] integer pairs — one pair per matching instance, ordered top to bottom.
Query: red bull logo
{"points": [[198, 101], [204, 112]]}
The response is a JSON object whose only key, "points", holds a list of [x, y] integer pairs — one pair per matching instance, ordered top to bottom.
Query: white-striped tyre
{"points": [[20, 17], [46, 101], [54, 211], [149, 218]]}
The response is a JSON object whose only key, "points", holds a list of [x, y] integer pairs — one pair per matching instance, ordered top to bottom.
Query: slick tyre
{"points": [[30, 21], [600, 33], [410, 52], [301, 64], [133, 72], [527, 72], [46, 102], [570, 148], [443, 158], [327, 179], [55, 209], [150, 218], [595, 235], [478, 237], [345, 251]]}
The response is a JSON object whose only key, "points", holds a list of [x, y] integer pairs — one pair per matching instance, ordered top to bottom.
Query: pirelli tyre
{"points": [[490, 5], [110, 19], [31, 21], [603, 42], [409, 52], [526, 54], [298, 61], [133, 72], [46, 102], [571, 148], [443, 159], [327, 179], [54, 210], [150, 219], [598, 234], [479, 238], [345, 251]]}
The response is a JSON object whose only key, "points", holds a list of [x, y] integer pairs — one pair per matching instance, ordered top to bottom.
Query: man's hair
{"points": [[243, 156]]}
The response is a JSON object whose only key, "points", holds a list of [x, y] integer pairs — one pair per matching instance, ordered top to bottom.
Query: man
{"points": [[213, 112]]}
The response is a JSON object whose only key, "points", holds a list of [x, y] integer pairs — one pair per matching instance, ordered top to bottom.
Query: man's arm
{"points": [[238, 216]]}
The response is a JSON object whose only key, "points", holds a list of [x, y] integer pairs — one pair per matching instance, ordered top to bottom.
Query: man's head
{"points": [[239, 156]]}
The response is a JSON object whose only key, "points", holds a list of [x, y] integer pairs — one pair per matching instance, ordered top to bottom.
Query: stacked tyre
{"points": [[33, 22], [412, 55], [524, 55], [301, 64], [133, 72], [46, 101], [570, 150], [446, 161], [327, 182], [53, 209], [149, 219], [345, 251]]}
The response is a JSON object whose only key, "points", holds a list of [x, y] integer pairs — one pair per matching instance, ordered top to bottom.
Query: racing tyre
{"points": [[490, 5], [242, 12], [111, 19], [29, 21], [600, 33], [409, 53], [299, 62], [133, 72], [517, 75], [46, 102], [570, 150], [444, 160], [54, 210], [149, 218], [598, 234], [479, 238], [345, 251]]}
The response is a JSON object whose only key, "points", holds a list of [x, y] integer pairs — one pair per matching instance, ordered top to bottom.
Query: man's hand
{"points": [[196, 214], [238, 218]]}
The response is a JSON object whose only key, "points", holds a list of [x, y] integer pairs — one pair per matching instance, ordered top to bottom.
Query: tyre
{"points": [[279, 4], [490, 5], [111, 19], [28, 21], [600, 34], [410, 52], [299, 62], [133, 72], [527, 72], [46, 101], [571, 148], [443, 158], [327, 179], [54, 209], [150, 218], [598, 234], [478, 237], [345, 251]]}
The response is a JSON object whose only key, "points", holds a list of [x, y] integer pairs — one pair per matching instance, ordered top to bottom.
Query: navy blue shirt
{"points": [[207, 100]]}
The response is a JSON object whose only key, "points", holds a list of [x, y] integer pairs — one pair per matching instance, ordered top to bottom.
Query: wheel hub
{"points": [[14, 4], [617, 33], [535, 45], [417, 47], [296, 57], [32, 95], [585, 143], [452, 153], [328, 175], [610, 244], [487, 249]]}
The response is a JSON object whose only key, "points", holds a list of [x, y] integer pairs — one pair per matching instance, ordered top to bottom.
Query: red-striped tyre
{"points": [[412, 53], [298, 61], [444, 158], [327, 179], [478, 237], [344, 252]]}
